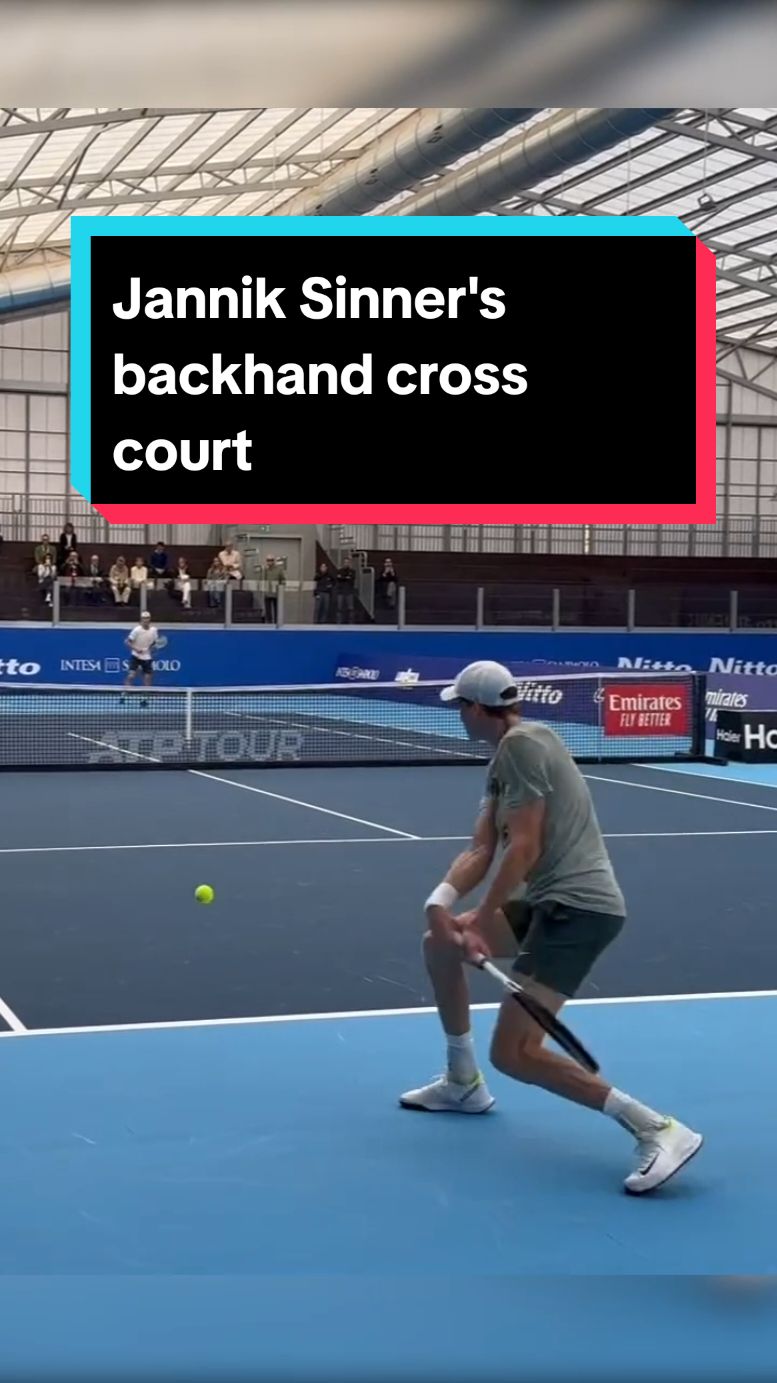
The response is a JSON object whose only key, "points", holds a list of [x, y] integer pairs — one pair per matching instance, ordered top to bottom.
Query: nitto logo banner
{"points": [[188, 354], [647, 709]]}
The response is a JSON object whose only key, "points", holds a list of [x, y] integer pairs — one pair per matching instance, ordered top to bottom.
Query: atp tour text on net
{"points": [[201, 746]]}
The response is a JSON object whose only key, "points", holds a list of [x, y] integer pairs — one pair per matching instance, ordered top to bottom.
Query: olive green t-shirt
{"points": [[574, 867]]}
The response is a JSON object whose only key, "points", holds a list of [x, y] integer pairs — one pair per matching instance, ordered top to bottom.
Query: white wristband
{"points": [[443, 896]]}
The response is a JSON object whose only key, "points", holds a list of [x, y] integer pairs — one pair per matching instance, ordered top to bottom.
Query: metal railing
{"points": [[23, 518], [732, 536], [247, 604], [577, 607]]}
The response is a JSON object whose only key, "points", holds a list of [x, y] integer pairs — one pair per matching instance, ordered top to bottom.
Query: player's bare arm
{"points": [[524, 827], [467, 871]]}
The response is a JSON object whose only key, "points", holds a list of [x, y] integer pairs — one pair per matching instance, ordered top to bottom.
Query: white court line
{"points": [[347, 734], [104, 744], [701, 777], [263, 792], [679, 792], [297, 802], [684, 835], [339, 840], [229, 844], [375, 1013], [15, 1023]]}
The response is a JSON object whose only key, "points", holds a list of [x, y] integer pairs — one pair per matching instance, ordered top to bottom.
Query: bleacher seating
{"points": [[441, 589], [671, 591], [20, 597]]}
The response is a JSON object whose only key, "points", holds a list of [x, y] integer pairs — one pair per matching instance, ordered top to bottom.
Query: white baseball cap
{"points": [[484, 684]]}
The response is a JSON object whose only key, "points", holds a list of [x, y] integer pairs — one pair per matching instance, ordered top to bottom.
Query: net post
{"points": [[55, 596], [401, 605], [228, 606], [631, 610], [733, 610], [480, 614], [556, 615], [699, 701], [189, 715]]}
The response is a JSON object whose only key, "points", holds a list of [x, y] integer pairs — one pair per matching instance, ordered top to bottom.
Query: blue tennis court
{"points": [[213, 1090]]}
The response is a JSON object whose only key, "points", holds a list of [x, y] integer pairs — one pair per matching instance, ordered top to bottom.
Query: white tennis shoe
{"points": [[446, 1096], [660, 1153]]}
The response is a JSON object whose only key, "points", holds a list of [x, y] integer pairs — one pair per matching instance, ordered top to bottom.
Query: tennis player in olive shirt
{"points": [[553, 902]]}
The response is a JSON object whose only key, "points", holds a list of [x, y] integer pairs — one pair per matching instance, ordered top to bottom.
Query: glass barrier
{"points": [[432, 602], [518, 604], [594, 606], [682, 607], [756, 608]]}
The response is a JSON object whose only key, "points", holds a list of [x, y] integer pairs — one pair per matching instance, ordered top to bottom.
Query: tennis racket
{"points": [[161, 642], [558, 1031]]}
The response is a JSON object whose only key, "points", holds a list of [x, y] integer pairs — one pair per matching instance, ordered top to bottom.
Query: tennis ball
{"points": [[204, 893]]}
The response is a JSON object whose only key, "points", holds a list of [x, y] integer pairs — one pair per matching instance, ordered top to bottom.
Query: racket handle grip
{"points": [[487, 966]]}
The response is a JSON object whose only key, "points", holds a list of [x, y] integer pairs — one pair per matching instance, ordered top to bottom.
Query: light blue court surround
{"points": [[84, 228], [763, 775], [279, 1148], [325, 1329]]}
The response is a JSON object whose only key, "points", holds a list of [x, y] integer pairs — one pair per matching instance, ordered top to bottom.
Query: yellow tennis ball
{"points": [[204, 893]]}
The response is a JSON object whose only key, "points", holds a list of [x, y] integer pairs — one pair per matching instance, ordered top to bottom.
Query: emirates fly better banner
{"points": [[554, 369], [644, 708]]}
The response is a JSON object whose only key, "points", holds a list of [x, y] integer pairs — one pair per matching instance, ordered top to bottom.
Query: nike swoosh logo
{"points": [[643, 1171]]}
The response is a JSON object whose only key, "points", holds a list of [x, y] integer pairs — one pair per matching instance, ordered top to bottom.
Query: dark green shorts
{"points": [[558, 944]]}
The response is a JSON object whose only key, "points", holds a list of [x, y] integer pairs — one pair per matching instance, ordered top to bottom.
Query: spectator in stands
{"points": [[68, 543], [43, 550], [159, 562], [232, 562], [46, 573], [70, 573], [95, 574], [138, 575], [273, 576], [119, 581], [183, 583], [215, 583], [387, 585], [346, 592], [322, 600]]}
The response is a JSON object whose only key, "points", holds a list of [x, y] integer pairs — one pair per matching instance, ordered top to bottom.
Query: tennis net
{"points": [[604, 716]]}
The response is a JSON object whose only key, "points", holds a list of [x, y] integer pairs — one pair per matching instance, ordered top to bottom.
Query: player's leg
{"points": [[148, 675], [561, 946], [517, 1050], [461, 1088]]}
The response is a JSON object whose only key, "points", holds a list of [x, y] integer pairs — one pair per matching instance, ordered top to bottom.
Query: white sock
{"points": [[462, 1064], [630, 1114]]}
